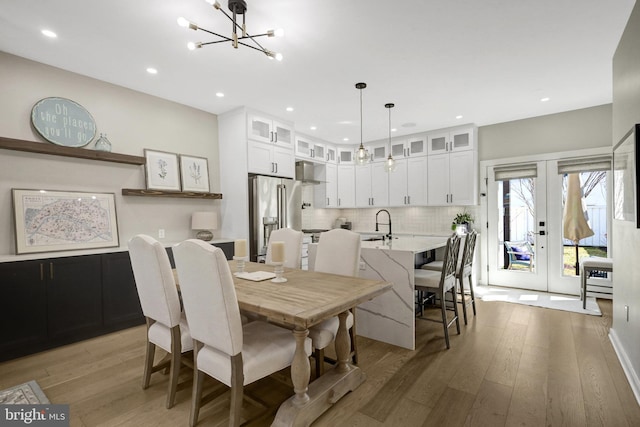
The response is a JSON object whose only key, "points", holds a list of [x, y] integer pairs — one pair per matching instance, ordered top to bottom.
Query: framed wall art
{"points": [[162, 171], [194, 173], [626, 177], [47, 220]]}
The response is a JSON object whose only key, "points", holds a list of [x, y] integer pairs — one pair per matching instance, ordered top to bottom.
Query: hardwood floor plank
{"points": [[504, 366], [528, 405], [491, 406], [451, 409]]}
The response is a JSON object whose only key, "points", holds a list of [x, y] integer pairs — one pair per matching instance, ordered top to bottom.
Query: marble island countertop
{"points": [[413, 244]]}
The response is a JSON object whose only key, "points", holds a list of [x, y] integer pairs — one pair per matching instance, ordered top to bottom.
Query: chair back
{"points": [[292, 246], [338, 252], [466, 261], [450, 263], [154, 280], [209, 296]]}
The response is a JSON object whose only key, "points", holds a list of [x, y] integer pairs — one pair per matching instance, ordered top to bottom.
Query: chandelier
{"points": [[237, 7], [362, 154]]}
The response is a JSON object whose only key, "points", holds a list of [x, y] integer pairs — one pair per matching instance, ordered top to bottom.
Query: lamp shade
{"points": [[204, 221]]}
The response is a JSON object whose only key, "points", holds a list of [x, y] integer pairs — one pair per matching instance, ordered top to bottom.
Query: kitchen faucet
{"points": [[389, 223]]}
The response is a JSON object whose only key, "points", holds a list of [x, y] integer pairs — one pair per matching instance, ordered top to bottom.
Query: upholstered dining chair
{"points": [[292, 246], [338, 253], [464, 272], [439, 283], [167, 327], [224, 349]]}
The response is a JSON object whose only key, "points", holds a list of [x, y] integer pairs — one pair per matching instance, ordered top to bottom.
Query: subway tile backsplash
{"points": [[416, 219]]}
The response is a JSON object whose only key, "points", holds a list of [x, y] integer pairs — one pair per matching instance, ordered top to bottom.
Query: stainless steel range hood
{"points": [[304, 173]]}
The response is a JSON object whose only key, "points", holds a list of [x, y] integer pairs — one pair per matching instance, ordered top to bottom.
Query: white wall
{"points": [[132, 120], [567, 131], [626, 237]]}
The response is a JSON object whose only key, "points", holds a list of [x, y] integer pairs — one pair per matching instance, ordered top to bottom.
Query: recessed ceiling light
{"points": [[49, 34], [151, 70], [220, 94], [544, 99], [289, 109], [458, 117], [345, 122], [408, 125], [313, 128], [394, 130], [345, 139]]}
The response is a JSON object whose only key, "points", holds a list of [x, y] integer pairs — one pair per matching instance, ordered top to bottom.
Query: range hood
{"points": [[304, 173]]}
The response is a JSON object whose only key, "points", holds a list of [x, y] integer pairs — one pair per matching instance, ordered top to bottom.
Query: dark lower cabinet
{"points": [[74, 300], [52, 302], [120, 303], [23, 308]]}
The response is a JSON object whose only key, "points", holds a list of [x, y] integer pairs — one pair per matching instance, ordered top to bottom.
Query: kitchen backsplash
{"points": [[428, 220]]}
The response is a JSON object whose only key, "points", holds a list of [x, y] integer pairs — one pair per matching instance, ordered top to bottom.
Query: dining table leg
{"points": [[343, 343], [300, 368]]}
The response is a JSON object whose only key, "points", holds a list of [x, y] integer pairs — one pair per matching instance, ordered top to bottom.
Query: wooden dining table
{"points": [[306, 299]]}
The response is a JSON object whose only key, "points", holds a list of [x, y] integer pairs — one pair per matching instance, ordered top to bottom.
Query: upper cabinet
{"points": [[263, 129], [448, 141], [415, 145], [270, 147], [308, 148], [331, 154], [346, 156]]}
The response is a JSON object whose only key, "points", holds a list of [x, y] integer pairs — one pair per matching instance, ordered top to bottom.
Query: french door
{"points": [[526, 244]]}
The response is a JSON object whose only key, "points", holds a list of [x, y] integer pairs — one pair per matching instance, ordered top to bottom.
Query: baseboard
{"points": [[630, 373]]}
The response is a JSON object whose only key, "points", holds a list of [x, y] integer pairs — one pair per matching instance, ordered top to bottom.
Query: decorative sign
{"points": [[63, 122]]}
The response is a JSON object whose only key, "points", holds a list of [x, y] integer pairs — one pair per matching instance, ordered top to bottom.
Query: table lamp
{"points": [[205, 222]]}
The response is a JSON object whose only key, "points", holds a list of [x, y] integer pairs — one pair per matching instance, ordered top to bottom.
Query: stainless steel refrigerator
{"points": [[273, 203]]}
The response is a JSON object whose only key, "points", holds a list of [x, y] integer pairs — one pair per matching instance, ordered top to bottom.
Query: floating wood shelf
{"points": [[79, 153], [160, 193]]}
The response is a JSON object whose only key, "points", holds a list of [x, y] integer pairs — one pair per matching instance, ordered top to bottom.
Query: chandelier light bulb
{"points": [[183, 22], [276, 33], [278, 57], [390, 164]]}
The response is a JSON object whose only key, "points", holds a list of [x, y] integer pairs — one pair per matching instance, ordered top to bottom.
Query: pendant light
{"points": [[362, 155], [390, 164]]}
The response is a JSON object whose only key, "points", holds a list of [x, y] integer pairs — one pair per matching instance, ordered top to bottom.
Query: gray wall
{"points": [[132, 120], [571, 130], [626, 237]]}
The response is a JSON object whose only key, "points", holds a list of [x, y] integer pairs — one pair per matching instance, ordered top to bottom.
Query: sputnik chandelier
{"points": [[237, 7]]}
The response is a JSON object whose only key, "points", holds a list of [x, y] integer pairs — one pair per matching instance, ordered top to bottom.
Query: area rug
{"points": [[538, 299], [24, 394]]}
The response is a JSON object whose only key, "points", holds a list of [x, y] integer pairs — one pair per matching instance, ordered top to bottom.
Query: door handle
{"points": [[408, 200]]}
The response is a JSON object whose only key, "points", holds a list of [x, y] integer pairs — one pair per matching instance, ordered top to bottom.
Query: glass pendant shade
{"points": [[362, 155], [390, 164]]}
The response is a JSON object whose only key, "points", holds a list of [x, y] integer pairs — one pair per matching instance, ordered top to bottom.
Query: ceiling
{"points": [[489, 61]]}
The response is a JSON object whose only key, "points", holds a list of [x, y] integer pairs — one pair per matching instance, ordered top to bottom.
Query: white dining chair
{"points": [[292, 246], [338, 253], [439, 283], [167, 327], [224, 349]]}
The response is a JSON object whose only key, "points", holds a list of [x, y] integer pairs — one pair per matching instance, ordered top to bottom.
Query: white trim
{"points": [[627, 367]]}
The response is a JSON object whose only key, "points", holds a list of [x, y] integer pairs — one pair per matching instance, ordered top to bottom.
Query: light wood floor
{"points": [[512, 365]]}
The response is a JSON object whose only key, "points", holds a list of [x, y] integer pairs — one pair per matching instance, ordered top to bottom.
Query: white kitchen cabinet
{"points": [[266, 130], [449, 141], [415, 145], [308, 148], [379, 152], [331, 154], [346, 156], [270, 159], [452, 179], [408, 183], [372, 185], [346, 186], [326, 193]]}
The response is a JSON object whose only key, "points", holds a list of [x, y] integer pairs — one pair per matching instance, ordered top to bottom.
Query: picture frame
{"points": [[162, 170], [194, 173], [626, 177], [51, 220]]}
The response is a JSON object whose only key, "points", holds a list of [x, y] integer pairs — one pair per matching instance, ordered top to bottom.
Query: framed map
{"points": [[48, 221]]}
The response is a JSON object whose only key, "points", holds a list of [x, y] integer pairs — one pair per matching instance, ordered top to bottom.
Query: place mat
{"points": [[256, 276], [23, 394]]}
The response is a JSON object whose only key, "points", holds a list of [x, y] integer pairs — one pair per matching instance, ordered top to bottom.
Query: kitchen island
{"points": [[391, 317]]}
